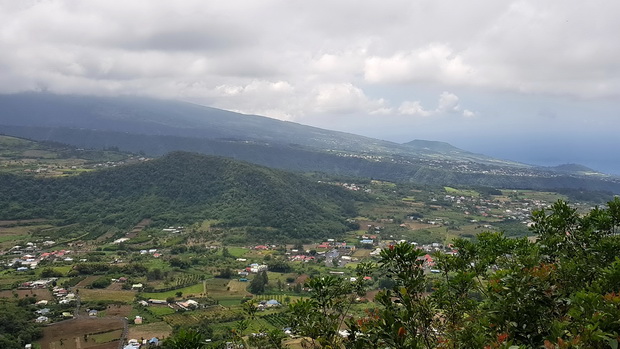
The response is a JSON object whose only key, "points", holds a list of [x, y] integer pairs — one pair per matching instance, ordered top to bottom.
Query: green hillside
{"points": [[183, 188]]}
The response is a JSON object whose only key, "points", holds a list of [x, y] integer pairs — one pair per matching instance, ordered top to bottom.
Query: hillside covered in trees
{"points": [[183, 188]]}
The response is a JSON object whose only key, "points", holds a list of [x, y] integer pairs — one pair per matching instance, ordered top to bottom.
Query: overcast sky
{"points": [[533, 81]]}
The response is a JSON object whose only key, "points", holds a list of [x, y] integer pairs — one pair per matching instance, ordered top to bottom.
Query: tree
{"points": [[225, 273], [257, 285], [321, 316], [185, 339]]}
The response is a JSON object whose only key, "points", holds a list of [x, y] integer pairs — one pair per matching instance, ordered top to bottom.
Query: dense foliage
{"points": [[183, 187], [560, 291], [17, 326]]}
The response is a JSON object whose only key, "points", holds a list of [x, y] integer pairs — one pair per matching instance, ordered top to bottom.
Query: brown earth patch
{"points": [[21, 221], [138, 228], [301, 279], [86, 282], [115, 286], [40, 294], [118, 310], [160, 330], [71, 333]]}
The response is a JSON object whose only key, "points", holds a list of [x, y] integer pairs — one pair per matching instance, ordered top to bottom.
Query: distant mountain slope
{"points": [[146, 116], [163, 117], [157, 127], [433, 145], [448, 151], [573, 168], [184, 187]]}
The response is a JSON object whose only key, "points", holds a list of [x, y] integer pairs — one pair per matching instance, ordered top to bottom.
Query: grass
{"points": [[461, 192], [206, 225], [7, 238], [237, 251], [155, 263], [61, 269], [187, 291], [230, 302], [160, 311], [105, 337]]}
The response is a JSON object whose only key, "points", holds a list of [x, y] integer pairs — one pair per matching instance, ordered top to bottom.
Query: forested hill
{"points": [[183, 188]]}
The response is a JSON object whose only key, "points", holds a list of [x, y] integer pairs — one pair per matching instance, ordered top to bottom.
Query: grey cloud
{"points": [[331, 52]]}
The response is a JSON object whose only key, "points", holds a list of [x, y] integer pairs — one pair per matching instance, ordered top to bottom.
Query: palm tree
{"points": [[186, 339]]}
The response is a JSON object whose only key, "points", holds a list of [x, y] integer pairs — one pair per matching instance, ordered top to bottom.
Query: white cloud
{"points": [[436, 62], [344, 98], [448, 103], [413, 108], [468, 113]]}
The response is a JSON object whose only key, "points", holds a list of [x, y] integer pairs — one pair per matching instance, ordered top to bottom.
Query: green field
{"points": [[461, 192], [237, 251], [194, 290], [160, 310]]}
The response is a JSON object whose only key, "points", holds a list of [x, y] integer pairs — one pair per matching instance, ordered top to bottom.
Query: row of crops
{"points": [[277, 320]]}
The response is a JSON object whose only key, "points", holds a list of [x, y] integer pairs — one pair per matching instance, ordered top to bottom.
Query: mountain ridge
{"points": [[88, 121]]}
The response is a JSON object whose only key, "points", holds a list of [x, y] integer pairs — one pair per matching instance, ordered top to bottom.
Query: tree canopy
{"points": [[561, 290]]}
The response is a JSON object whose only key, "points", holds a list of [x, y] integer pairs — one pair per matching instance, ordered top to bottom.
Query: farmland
{"points": [[203, 274], [74, 334]]}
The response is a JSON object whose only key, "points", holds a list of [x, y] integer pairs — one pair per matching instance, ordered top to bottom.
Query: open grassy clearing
{"points": [[461, 192], [237, 251], [361, 253], [190, 291], [160, 310], [105, 337]]}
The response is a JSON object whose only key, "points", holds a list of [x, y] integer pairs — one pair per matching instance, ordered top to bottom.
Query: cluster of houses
{"points": [[510, 210], [173, 230], [331, 243], [29, 256], [253, 268], [37, 284], [62, 297], [188, 304], [145, 343]]}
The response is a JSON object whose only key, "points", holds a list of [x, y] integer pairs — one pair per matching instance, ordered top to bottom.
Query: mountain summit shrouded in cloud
{"points": [[527, 80]]}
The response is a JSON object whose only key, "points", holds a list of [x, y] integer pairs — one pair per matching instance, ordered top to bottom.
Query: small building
{"points": [[157, 301], [272, 303]]}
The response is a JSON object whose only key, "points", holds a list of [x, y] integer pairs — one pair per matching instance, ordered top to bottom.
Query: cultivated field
{"points": [[40, 294], [107, 295], [74, 334]]}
